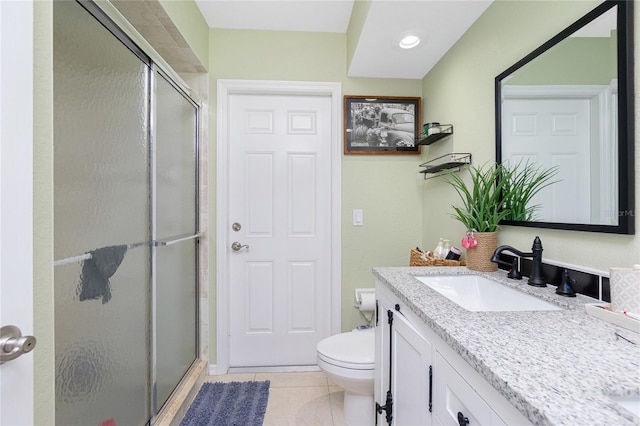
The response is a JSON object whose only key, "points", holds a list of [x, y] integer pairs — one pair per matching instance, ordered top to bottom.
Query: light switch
{"points": [[357, 217]]}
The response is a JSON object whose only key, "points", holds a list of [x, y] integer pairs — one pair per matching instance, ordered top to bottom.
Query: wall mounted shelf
{"points": [[445, 130], [452, 161]]}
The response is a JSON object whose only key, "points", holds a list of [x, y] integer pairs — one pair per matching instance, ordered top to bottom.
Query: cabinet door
{"points": [[382, 354], [410, 360], [454, 398]]}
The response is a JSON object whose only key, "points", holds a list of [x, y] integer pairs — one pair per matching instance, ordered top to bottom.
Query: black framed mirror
{"points": [[569, 104]]}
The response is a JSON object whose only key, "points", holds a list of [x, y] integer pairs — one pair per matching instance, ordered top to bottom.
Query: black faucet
{"points": [[537, 276]]}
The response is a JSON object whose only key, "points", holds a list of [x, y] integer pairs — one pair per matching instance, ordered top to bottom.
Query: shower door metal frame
{"points": [[105, 13]]}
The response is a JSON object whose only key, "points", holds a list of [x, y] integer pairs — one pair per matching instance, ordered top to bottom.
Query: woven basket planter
{"points": [[479, 257]]}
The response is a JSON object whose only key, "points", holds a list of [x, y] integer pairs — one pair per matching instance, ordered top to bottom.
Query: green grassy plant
{"points": [[498, 192], [481, 208]]}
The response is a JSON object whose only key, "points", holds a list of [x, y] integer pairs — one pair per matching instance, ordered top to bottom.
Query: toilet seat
{"points": [[353, 350]]}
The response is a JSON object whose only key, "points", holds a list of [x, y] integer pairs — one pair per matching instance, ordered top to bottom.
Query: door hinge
{"points": [[376, 312], [390, 317], [387, 407]]}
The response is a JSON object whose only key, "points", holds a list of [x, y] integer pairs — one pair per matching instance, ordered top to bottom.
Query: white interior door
{"points": [[553, 132], [280, 195], [16, 201]]}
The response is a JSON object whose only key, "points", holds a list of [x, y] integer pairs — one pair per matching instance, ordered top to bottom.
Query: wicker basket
{"points": [[415, 259]]}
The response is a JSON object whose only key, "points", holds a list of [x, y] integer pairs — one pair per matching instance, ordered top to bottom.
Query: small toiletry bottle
{"points": [[445, 250], [437, 253], [454, 253]]}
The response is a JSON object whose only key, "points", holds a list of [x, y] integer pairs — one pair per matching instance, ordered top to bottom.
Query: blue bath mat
{"points": [[228, 404]]}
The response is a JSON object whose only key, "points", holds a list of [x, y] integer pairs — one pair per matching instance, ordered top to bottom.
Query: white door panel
{"points": [[553, 132], [279, 192], [16, 203]]}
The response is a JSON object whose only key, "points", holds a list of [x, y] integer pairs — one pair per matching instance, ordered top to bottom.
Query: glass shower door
{"points": [[125, 219], [101, 224], [175, 279]]}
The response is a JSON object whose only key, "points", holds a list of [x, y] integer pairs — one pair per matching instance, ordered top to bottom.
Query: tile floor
{"points": [[306, 398]]}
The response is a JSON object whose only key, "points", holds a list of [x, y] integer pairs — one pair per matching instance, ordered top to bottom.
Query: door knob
{"points": [[236, 246], [13, 343]]}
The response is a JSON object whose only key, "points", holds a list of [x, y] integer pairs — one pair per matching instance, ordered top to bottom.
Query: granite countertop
{"points": [[556, 367]]}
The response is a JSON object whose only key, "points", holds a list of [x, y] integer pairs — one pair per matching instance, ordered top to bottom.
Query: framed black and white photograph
{"points": [[381, 125]]}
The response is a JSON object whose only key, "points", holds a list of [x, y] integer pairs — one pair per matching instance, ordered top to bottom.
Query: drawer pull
{"points": [[430, 388], [462, 420]]}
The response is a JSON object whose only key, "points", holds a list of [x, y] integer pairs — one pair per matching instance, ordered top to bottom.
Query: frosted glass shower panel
{"points": [[100, 136], [175, 146], [101, 205], [176, 279], [176, 318]]}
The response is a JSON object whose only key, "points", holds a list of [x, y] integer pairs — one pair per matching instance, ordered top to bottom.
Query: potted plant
{"points": [[496, 192]]}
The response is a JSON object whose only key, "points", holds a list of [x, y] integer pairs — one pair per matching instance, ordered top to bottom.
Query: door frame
{"points": [[226, 88]]}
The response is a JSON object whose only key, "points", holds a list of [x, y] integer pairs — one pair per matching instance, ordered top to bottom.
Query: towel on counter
{"points": [[94, 279]]}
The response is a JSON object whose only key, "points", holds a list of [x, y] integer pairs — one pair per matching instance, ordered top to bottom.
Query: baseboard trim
{"points": [[276, 369]]}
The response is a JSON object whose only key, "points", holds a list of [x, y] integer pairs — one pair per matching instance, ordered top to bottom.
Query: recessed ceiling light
{"points": [[409, 41]]}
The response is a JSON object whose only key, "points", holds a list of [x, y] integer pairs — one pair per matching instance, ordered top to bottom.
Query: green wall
{"points": [[460, 90]]}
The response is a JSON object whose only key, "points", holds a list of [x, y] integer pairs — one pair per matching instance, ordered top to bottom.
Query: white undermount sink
{"points": [[477, 293], [630, 403]]}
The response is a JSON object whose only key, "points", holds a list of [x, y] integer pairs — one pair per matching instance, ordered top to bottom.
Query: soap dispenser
{"points": [[564, 289]]}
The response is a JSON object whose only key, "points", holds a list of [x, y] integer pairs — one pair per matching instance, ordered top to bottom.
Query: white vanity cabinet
{"points": [[405, 353], [430, 382]]}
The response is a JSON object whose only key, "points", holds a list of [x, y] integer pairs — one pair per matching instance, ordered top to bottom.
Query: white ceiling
{"points": [[439, 24]]}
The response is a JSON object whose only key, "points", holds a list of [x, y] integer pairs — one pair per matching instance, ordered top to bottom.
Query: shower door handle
{"points": [[177, 240], [236, 246], [13, 343]]}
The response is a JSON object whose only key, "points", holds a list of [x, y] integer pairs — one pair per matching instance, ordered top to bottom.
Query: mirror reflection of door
{"points": [[567, 128]]}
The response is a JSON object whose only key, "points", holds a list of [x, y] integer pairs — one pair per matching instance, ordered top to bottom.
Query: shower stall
{"points": [[126, 234]]}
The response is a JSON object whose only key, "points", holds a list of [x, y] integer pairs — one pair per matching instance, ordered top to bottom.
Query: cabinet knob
{"points": [[462, 420]]}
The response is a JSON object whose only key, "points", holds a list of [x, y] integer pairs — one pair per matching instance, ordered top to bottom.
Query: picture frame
{"points": [[382, 125]]}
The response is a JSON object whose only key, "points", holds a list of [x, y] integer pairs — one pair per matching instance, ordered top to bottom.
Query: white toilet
{"points": [[348, 360]]}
